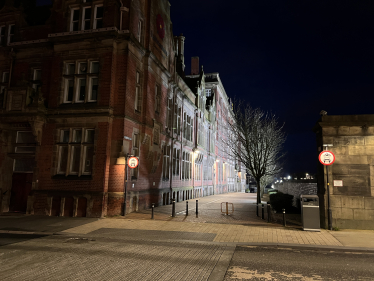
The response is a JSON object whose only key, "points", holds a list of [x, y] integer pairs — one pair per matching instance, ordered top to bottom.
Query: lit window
{"points": [[75, 151]]}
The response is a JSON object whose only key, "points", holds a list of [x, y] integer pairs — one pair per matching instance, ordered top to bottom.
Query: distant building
{"points": [[84, 84], [351, 177]]}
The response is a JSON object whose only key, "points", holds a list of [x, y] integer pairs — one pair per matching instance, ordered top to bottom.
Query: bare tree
{"points": [[255, 139]]}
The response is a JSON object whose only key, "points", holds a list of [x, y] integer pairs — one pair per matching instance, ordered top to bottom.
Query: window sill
{"points": [[72, 177]]}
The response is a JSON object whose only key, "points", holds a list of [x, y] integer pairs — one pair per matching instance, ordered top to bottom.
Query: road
{"points": [[211, 247], [125, 254], [285, 263]]}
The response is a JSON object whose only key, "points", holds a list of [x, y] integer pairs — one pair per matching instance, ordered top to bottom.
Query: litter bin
{"points": [[310, 212]]}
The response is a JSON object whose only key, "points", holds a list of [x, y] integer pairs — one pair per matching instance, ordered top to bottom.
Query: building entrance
{"points": [[21, 188]]}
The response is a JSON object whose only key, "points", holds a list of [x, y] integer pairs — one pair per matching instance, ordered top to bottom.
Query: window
{"points": [[91, 17], [98, 17], [86, 18], [74, 22], [140, 26], [11, 33], [2, 35], [36, 79], [3, 85], [83, 86], [208, 92], [138, 95], [157, 99], [169, 114], [177, 120], [187, 127], [156, 135], [25, 142], [75, 151], [135, 152], [176, 155], [165, 163], [186, 165], [197, 172]]}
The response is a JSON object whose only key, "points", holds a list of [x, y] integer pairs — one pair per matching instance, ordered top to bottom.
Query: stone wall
{"points": [[297, 188], [352, 202]]}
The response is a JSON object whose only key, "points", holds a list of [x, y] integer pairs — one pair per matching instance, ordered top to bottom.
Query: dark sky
{"points": [[293, 58]]}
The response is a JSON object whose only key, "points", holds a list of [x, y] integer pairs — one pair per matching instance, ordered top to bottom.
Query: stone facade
{"points": [[94, 82], [351, 177]]}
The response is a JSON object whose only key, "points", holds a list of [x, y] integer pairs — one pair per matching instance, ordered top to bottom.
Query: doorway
{"points": [[21, 188]]}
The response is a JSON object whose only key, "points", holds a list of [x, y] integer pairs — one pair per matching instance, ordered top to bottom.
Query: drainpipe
{"points": [[172, 147]]}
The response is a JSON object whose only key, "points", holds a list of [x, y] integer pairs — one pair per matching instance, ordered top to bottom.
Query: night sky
{"points": [[293, 58]]}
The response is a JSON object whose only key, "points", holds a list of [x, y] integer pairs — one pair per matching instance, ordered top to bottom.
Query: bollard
{"points": [[153, 207], [186, 208], [197, 208], [227, 208], [173, 209], [257, 209], [268, 210], [263, 212], [284, 217]]}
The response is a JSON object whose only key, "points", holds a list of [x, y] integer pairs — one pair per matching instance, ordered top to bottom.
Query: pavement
{"points": [[241, 226], [211, 246]]}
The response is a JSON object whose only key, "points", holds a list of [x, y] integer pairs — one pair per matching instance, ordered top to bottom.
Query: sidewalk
{"points": [[243, 226]]}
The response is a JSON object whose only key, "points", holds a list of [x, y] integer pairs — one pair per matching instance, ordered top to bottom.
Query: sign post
{"points": [[327, 158], [132, 162]]}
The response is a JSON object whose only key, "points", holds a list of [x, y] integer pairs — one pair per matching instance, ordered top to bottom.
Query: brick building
{"points": [[84, 84]]}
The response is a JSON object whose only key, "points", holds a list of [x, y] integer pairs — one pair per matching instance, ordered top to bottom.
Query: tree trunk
{"points": [[258, 192]]}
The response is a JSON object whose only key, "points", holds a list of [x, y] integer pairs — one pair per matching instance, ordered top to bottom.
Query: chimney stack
{"points": [[195, 66]]}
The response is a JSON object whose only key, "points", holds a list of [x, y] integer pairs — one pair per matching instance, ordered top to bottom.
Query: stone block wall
{"points": [[352, 203]]}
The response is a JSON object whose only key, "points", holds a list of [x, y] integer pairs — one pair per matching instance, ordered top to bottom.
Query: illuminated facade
{"points": [[90, 82]]}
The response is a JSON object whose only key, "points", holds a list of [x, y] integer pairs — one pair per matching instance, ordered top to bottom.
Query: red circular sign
{"points": [[160, 26], [326, 157], [133, 162]]}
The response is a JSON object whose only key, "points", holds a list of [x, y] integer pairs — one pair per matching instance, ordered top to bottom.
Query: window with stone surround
{"points": [[90, 16], [81, 81], [169, 114], [188, 126], [75, 151], [176, 155], [165, 163]]}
